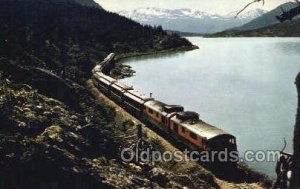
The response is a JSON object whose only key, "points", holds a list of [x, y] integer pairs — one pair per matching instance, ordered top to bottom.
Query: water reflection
{"points": [[291, 47], [164, 55]]}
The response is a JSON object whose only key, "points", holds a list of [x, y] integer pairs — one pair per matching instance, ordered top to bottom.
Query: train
{"points": [[181, 125]]}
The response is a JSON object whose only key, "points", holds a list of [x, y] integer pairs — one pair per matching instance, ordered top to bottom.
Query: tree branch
{"points": [[254, 1]]}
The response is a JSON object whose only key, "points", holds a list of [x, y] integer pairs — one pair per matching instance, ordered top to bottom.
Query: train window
{"points": [[151, 111], [157, 115], [162, 119], [175, 127], [183, 130], [193, 135]]}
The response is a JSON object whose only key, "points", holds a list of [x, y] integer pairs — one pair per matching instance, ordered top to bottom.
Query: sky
{"points": [[212, 6]]}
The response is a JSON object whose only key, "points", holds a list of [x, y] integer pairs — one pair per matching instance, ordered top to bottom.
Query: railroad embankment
{"points": [[187, 173], [238, 175]]}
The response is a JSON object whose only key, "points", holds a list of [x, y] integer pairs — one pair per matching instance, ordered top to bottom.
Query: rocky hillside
{"points": [[266, 19], [286, 29], [46, 144]]}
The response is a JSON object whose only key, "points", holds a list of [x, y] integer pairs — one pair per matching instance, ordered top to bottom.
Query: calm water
{"points": [[243, 85]]}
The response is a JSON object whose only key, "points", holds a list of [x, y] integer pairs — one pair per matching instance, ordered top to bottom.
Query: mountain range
{"points": [[267, 19], [193, 21], [266, 26], [286, 29]]}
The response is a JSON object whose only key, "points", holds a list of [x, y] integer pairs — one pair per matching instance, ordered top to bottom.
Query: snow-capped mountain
{"points": [[251, 14], [268, 18], [187, 20]]}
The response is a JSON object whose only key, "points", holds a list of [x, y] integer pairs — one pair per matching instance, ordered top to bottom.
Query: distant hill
{"points": [[88, 3], [266, 19], [190, 21], [286, 29], [184, 34], [69, 39]]}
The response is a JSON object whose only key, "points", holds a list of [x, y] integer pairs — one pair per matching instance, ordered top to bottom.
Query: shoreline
{"points": [[137, 54], [121, 70]]}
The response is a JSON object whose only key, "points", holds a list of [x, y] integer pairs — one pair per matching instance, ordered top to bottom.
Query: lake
{"points": [[244, 86]]}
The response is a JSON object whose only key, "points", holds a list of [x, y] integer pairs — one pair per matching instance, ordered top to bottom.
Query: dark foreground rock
{"points": [[47, 143]]}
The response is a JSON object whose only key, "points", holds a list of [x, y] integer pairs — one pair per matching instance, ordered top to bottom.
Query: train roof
{"points": [[109, 57], [97, 69], [103, 76], [106, 82], [122, 86], [138, 96], [156, 105], [163, 108], [173, 108], [183, 116], [200, 128]]}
